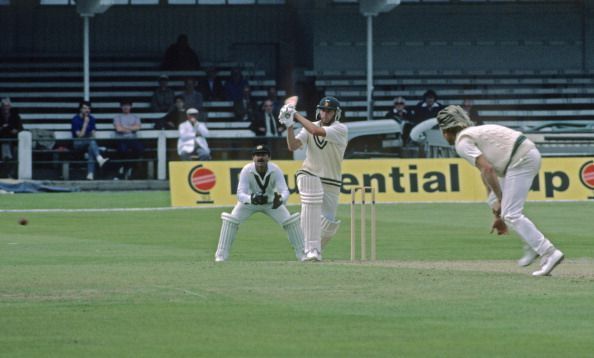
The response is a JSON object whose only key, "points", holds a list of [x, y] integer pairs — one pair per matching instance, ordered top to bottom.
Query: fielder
{"points": [[508, 162], [320, 177], [262, 188]]}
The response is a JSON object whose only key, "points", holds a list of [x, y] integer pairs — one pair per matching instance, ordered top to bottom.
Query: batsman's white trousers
{"points": [[515, 186], [330, 201], [243, 211]]}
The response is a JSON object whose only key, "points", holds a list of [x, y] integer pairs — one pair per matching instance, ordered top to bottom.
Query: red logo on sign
{"points": [[587, 174], [201, 179]]}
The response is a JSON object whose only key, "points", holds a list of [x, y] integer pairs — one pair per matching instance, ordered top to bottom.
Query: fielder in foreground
{"points": [[508, 162], [320, 177], [262, 188]]}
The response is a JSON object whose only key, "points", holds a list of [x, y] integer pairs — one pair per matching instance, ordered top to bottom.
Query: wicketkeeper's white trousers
{"points": [[242, 212]]}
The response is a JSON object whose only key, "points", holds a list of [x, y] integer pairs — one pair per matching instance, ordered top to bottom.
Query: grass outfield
{"points": [[143, 284]]}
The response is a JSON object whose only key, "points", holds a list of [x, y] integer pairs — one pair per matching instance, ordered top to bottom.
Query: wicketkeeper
{"points": [[508, 162], [320, 177], [262, 188]]}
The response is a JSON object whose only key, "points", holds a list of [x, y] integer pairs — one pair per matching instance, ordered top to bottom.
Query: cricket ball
{"points": [[23, 221]]}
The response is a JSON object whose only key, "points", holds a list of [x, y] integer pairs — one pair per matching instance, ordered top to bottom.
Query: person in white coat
{"points": [[192, 143], [261, 189]]}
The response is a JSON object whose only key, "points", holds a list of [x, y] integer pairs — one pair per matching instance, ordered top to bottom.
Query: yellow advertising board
{"points": [[396, 180]]}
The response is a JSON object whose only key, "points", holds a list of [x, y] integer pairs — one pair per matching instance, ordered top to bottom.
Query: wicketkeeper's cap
{"points": [[192, 112], [452, 117], [261, 149]]}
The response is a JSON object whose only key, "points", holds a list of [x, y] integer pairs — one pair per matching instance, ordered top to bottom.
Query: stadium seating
{"points": [[46, 91], [499, 96]]}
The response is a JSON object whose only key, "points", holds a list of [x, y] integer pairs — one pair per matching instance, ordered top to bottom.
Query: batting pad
{"points": [[312, 196], [293, 227], [328, 229], [227, 236]]}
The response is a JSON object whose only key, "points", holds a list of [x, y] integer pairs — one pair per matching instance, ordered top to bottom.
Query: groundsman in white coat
{"points": [[192, 143]]}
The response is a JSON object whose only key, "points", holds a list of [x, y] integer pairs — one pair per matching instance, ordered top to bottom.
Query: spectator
{"points": [[180, 56], [235, 85], [212, 88], [163, 97], [192, 98], [277, 103], [467, 105], [428, 107], [246, 108], [175, 116], [403, 116], [265, 123], [10, 126], [126, 126], [83, 130], [192, 138]]}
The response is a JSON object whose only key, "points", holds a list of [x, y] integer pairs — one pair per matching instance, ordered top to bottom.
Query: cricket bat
{"points": [[292, 100]]}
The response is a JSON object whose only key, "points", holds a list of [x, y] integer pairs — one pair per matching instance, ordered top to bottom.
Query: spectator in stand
{"points": [[180, 56], [235, 85], [212, 87], [163, 97], [192, 98], [277, 102], [428, 107], [246, 108], [471, 111], [175, 116], [403, 116], [265, 123], [10, 126], [126, 126], [83, 130], [192, 143]]}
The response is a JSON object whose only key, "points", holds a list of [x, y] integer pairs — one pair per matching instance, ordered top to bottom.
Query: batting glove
{"points": [[287, 115]]}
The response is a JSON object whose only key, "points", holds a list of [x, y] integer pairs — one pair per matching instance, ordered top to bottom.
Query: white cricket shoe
{"points": [[313, 255], [219, 258], [528, 258], [549, 262]]}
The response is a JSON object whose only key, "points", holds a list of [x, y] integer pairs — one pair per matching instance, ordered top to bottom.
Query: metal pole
{"points": [[86, 61], [369, 67], [353, 224]]}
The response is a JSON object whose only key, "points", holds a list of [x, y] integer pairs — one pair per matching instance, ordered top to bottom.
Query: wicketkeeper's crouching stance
{"points": [[262, 188]]}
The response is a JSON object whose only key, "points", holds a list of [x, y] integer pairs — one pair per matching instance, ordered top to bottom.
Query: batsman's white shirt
{"points": [[493, 141], [324, 155]]}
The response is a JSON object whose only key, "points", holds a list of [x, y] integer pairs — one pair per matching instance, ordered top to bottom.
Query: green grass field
{"points": [[143, 284]]}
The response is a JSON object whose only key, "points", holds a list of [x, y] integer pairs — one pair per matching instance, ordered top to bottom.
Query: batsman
{"points": [[320, 177], [262, 188]]}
